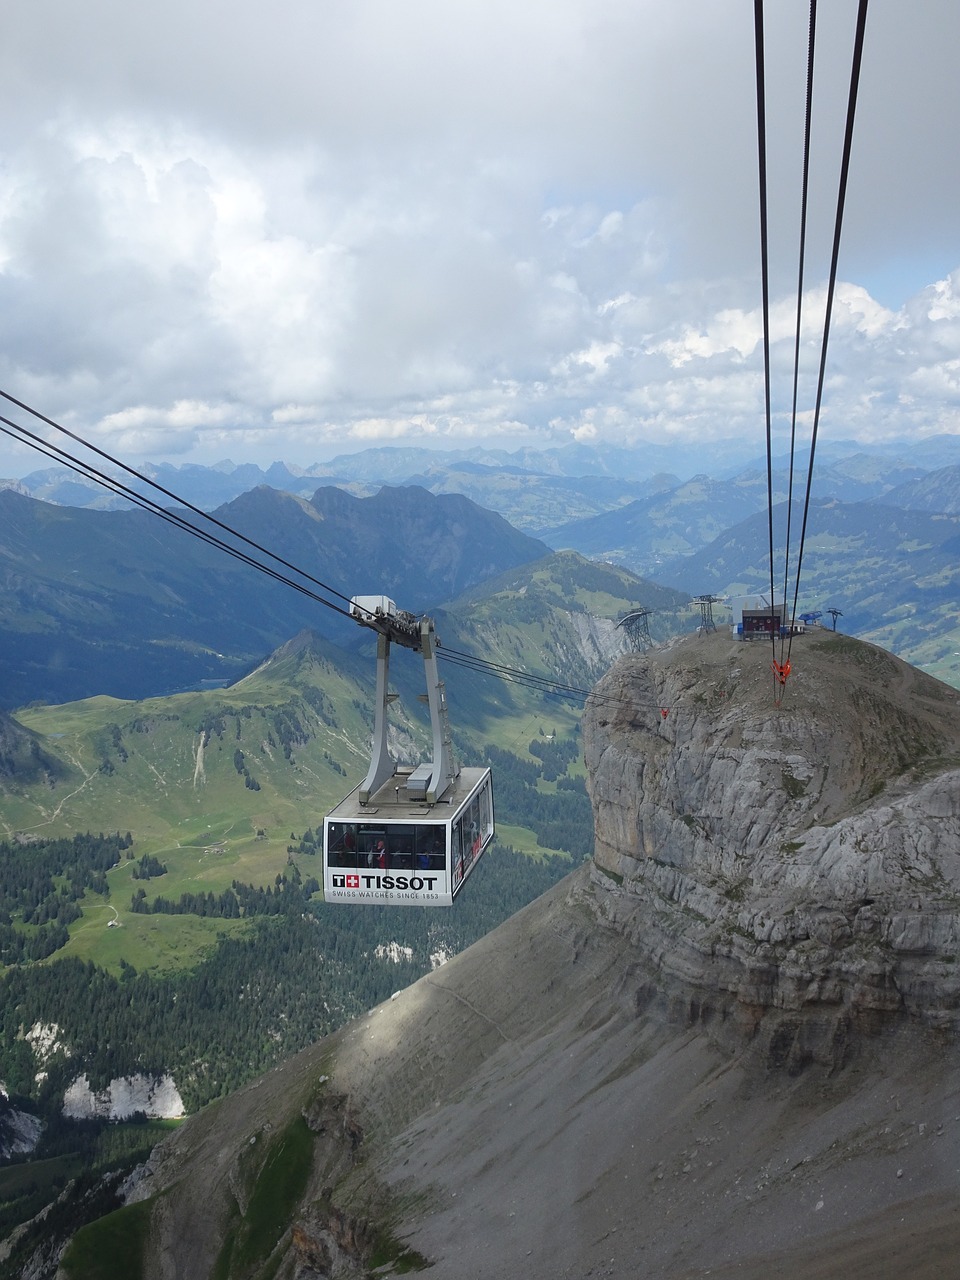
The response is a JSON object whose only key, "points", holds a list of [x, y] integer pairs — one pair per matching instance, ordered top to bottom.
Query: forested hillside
{"points": [[274, 968], [291, 969]]}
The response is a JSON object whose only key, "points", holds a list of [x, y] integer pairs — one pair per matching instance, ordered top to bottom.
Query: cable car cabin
{"points": [[406, 836], [397, 850]]}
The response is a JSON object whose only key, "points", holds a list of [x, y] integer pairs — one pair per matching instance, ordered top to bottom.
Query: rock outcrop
{"points": [[794, 866], [727, 1046], [156, 1097], [19, 1130]]}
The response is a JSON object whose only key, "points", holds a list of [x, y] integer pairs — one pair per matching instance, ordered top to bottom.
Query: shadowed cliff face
{"points": [[728, 1047]]}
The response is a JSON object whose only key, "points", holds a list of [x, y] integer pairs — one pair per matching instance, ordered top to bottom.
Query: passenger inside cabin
{"points": [[342, 848], [401, 852]]}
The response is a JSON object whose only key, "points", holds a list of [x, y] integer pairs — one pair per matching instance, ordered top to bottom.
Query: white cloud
{"points": [[276, 228]]}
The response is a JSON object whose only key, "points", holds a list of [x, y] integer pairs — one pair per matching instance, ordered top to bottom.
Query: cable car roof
{"points": [[392, 803]]}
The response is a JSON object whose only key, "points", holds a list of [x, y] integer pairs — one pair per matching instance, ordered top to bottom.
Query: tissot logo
{"points": [[346, 882], [384, 882]]}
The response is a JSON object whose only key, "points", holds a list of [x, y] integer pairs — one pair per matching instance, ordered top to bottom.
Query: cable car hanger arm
{"points": [[431, 779]]}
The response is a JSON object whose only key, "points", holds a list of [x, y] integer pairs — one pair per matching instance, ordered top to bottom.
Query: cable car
{"points": [[407, 836]]}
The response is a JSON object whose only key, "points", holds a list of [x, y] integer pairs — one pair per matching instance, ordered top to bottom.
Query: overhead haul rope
{"points": [[808, 114], [834, 260], [764, 270], [765, 283], [132, 471], [781, 669], [514, 673], [509, 675], [541, 684]]}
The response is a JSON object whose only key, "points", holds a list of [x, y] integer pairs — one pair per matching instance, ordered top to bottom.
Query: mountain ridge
{"points": [[119, 602]]}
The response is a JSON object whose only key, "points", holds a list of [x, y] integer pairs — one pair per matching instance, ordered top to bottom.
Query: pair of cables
{"points": [[89, 471], [217, 533], [781, 656]]}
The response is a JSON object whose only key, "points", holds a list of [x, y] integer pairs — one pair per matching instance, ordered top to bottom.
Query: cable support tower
{"points": [[706, 603], [637, 629]]}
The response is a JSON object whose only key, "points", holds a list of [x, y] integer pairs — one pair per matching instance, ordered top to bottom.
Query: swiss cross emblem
{"points": [[353, 882]]}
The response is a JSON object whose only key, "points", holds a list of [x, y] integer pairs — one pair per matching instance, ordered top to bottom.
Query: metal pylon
{"points": [[706, 604], [637, 628]]}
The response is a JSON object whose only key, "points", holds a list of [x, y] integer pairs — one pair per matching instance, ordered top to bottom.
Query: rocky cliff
{"points": [[794, 867], [727, 1047]]}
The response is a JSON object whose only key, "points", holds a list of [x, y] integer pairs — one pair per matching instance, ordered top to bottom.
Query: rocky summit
{"points": [[795, 867], [726, 1047]]}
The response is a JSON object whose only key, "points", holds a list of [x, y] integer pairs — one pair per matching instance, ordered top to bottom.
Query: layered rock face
{"points": [[793, 865]]}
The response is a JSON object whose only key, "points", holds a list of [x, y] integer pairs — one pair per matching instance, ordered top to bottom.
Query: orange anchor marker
{"points": [[781, 672]]}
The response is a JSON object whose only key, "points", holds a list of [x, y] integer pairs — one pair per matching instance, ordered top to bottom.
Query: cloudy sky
{"points": [[286, 230]]}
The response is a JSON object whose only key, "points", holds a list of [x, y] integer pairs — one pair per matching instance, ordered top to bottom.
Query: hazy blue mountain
{"points": [[931, 454], [575, 460], [394, 464], [869, 475], [204, 487], [533, 488], [932, 491], [532, 501], [679, 521], [645, 533], [120, 602]]}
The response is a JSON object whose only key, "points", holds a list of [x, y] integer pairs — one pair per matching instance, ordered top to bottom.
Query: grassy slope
{"points": [[201, 821]]}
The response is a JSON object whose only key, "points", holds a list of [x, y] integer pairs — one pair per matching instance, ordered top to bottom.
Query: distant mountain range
{"points": [[535, 489], [680, 519], [113, 600], [120, 602]]}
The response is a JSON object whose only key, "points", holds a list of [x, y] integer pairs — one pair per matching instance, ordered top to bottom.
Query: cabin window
{"points": [[470, 835], [415, 846]]}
